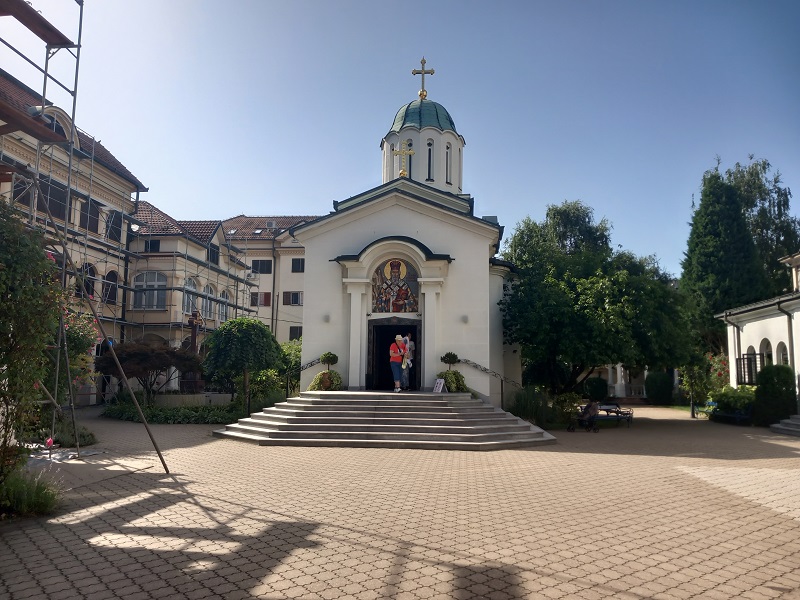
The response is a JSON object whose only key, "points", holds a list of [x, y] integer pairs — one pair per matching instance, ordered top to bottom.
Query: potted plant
{"points": [[327, 379]]}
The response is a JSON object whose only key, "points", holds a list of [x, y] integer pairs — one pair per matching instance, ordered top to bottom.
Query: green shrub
{"points": [[449, 358], [328, 359], [454, 381], [317, 383], [263, 384], [658, 387], [596, 388], [775, 396], [731, 399], [530, 404], [564, 406], [205, 414], [63, 432], [28, 493]]}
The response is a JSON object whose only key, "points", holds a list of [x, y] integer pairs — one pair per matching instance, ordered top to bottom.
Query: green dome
{"points": [[423, 113]]}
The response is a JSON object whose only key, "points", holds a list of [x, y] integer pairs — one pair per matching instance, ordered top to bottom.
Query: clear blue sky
{"points": [[268, 107]]}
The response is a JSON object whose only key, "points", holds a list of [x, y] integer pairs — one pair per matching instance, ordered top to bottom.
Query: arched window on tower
{"points": [[430, 161], [447, 168]]}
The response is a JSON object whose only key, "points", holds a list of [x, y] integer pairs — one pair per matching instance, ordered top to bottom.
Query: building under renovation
{"points": [[148, 276]]}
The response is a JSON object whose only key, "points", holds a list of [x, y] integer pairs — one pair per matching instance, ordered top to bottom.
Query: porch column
{"points": [[431, 289], [355, 371], [621, 392]]}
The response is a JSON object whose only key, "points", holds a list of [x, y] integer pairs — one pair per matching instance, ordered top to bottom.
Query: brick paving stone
{"points": [[691, 510]]}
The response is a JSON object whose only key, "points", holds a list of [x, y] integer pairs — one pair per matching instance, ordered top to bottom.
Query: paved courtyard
{"points": [[670, 508]]}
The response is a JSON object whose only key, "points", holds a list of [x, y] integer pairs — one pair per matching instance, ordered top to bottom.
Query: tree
{"points": [[765, 203], [721, 267], [30, 301], [577, 305], [239, 347], [147, 363]]}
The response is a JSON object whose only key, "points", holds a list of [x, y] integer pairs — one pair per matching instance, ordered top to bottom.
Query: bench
{"points": [[706, 410], [608, 412], [739, 415]]}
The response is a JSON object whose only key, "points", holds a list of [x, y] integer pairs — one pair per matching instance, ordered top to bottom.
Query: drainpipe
{"points": [[274, 302], [789, 328]]}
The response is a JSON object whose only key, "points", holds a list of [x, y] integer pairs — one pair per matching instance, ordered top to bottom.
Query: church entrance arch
{"points": [[381, 335]]}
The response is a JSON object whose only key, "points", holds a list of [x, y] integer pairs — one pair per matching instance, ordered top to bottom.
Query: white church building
{"points": [[409, 256], [765, 332]]}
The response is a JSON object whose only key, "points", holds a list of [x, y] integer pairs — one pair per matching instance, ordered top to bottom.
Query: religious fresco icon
{"points": [[395, 287]]}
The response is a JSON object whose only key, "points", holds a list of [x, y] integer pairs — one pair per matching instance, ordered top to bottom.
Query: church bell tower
{"points": [[423, 143]]}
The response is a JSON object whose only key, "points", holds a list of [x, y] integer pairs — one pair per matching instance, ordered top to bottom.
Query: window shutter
{"points": [[287, 297], [266, 298]]}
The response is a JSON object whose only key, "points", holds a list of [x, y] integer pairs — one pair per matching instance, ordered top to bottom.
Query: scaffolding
{"points": [[57, 147]]}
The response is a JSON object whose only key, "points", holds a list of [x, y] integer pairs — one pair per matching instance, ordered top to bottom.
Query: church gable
{"points": [[412, 189]]}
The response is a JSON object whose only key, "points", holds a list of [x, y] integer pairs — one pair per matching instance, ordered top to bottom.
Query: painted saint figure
{"points": [[393, 287]]}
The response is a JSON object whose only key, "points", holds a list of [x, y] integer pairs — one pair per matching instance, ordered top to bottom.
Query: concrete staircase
{"points": [[386, 420], [790, 426]]}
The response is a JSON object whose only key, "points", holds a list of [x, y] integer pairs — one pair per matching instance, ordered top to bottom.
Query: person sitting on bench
{"points": [[589, 414]]}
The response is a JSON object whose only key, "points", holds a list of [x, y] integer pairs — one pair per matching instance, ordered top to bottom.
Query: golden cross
{"points": [[422, 93], [402, 153]]}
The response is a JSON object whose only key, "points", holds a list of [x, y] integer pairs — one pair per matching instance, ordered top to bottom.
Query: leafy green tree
{"points": [[765, 203], [721, 267], [30, 301], [577, 304], [239, 347], [148, 363]]}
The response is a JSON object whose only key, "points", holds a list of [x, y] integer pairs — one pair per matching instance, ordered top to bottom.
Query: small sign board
{"points": [[439, 386]]}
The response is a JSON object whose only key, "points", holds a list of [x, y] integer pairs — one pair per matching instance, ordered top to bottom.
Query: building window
{"points": [[430, 161], [447, 168], [90, 216], [114, 226], [152, 245], [213, 254], [298, 265], [262, 266], [84, 287], [110, 287], [150, 290], [189, 296], [224, 298], [260, 298], [293, 298], [208, 303], [295, 332]]}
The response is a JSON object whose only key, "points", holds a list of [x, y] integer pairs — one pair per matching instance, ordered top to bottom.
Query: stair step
{"points": [[364, 419], [442, 421], [509, 426], [780, 428], [268, 434], [396, 444]]}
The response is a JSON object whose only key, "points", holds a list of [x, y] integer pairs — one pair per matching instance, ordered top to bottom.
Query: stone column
{"points": [[431, 289], [355, 370], [621, 392]]}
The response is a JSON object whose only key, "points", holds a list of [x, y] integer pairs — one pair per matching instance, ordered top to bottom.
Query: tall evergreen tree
{"points": [[765, 202], [721, 266]]}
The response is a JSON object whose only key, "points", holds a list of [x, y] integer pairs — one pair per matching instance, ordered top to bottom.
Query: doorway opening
{"points": [[381, 335]]}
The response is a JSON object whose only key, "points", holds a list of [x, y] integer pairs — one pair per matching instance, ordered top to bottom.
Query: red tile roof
{"points": [[18, 97], [156, 221], [244, 227], [200, 230]]}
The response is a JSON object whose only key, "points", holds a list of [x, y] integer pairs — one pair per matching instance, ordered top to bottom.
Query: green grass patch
{"points": [[26, 493]]}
